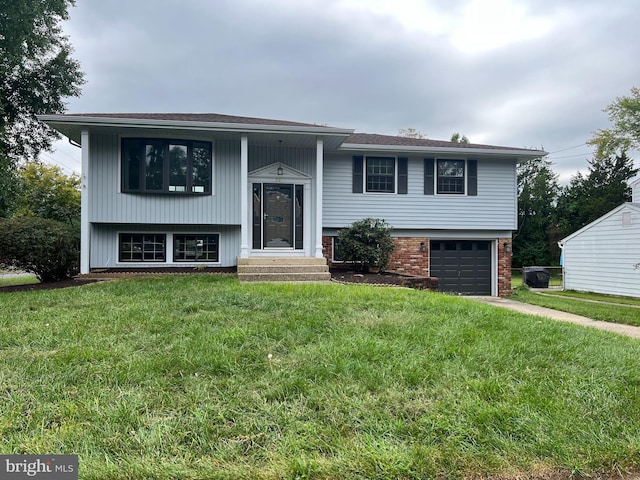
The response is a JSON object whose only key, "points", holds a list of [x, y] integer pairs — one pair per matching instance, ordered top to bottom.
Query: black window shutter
{"points": [[429, 164], [357, 174], [403, 175], [472, 177]]}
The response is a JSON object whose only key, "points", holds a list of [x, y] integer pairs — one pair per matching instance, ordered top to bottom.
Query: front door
{"points": [[277, 216]]}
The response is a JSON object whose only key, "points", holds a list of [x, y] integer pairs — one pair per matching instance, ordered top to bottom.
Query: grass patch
{"points": [[22, 280], [597, 297], [596, 311], [202, 377]]}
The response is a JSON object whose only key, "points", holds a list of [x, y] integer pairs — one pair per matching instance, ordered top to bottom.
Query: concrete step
{"points": [[281, 261], [278, 269], [285, 277]]}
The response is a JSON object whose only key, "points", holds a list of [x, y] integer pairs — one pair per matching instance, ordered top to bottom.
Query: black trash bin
{"points": [[536, 277]]}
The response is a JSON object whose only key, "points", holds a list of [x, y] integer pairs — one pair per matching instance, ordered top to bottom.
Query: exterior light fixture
{"points": [[280, 172], [423, 247], [507, 247]]}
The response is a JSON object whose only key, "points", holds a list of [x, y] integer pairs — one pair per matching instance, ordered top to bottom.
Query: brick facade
{"points": [[411, 256], [504, 267]]}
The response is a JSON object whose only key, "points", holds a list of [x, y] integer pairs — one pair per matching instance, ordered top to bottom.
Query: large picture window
{"points": [[166, 166], [451, 176], [137, 247], [196, 248]]}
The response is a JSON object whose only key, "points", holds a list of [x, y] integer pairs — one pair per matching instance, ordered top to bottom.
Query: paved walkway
{"points": [[627, 330]]}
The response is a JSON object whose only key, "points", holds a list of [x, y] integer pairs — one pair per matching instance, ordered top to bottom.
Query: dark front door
{"points": [[278, 209], [277, 215], [462, 266]]}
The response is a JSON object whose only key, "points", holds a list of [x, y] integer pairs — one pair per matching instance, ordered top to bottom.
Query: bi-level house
{"points": [[169, 190]]}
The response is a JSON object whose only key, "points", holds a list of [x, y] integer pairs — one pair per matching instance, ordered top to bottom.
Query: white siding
{"points": [[109, 206], [494, 208], [104, 243], [604, 257]]}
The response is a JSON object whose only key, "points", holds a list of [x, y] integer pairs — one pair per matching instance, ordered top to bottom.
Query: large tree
{"points": [[37, 73], [624, 135], [45, 191], [537, 194], [588, 197]]}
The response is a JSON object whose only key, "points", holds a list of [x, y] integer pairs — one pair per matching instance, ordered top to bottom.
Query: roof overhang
{"points": [[72, 126], [520, 155]]}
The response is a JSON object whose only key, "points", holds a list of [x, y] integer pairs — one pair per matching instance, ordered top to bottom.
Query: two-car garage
{"points": [[462, 266]]}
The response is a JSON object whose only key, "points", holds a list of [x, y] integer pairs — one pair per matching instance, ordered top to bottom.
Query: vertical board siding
{"points": [[302, 159], [107, 205], [492, 208], [104, 242], [605, 258]]}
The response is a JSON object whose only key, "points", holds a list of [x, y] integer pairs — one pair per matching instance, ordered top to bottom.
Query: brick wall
{"points": [[408, 256], [410, 259], [504, 267]]}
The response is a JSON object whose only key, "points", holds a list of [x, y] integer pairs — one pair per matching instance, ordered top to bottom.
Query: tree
{"points": [[36, 74], [624, 112], [410, 133], [456, 138], [44, 191], [538, 191], [587, 198], [367, 243]]}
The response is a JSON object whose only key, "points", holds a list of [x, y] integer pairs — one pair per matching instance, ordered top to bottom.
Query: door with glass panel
{"points": [[277, 216]]}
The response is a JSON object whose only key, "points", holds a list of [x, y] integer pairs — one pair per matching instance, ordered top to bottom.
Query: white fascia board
{"points": [[189, 125], [521, 154], [589, 226]]}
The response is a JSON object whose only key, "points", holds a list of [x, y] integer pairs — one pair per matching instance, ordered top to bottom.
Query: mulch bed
{"points": [[338, 275], [48, 285]]}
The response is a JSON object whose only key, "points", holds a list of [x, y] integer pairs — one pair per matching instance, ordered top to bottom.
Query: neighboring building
{"points": [[207, 189], [604, 256]]}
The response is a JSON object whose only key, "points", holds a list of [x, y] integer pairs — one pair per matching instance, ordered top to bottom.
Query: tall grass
{"points": [[201, 377]]}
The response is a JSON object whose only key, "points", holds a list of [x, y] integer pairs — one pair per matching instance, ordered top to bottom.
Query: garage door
{"points": [[462, 266]]}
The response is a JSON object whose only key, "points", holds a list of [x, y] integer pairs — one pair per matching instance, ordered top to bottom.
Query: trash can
{"points": [[536, 277]]}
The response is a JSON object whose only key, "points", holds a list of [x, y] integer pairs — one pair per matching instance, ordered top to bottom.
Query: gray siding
{"points": [[302, 159], [109, 206], [494, 208], [104, 242], [605, 257]]}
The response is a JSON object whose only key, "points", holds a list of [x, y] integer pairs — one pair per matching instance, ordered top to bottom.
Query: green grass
{"points": [[27, 280], [598, 297], [596, 311], [171, 377]]}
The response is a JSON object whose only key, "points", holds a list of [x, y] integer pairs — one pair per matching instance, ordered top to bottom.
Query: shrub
{"points": [[367, 243], [46, 248]]}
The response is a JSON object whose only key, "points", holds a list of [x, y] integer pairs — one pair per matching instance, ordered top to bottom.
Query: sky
{"points": [[520, 73]]}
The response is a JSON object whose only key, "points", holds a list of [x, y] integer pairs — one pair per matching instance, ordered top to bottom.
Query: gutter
{"points": [[189, 125]]}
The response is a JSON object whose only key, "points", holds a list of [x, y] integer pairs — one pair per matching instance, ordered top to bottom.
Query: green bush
{"points": [[367, 243], [46, 248]]}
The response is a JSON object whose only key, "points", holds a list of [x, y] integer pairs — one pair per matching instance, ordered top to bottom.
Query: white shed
{"points": [[604, 256]]}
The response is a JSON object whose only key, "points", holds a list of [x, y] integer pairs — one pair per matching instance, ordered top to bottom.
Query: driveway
{"points": [[627, 330]]}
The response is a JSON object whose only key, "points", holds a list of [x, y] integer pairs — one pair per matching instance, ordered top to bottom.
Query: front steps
{"points": [[283, 269]]}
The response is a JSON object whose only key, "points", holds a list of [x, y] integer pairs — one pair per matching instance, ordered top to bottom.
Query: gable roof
{"points": [[197, 117], [262, 129], [365, 141], [632, 206]]}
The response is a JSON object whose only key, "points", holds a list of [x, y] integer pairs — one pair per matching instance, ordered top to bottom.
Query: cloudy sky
{"points": [[521, 73]]}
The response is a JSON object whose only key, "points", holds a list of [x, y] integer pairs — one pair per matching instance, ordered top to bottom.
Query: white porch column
{"points": [[318, 191], [244, 197], [85, 228]]}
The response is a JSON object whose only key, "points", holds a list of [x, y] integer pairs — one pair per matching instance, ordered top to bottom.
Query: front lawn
{"points": [[627, 315], [201, 377]]}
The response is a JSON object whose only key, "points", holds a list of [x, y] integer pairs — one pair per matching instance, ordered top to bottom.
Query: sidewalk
{"points": [[627, 330]]}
